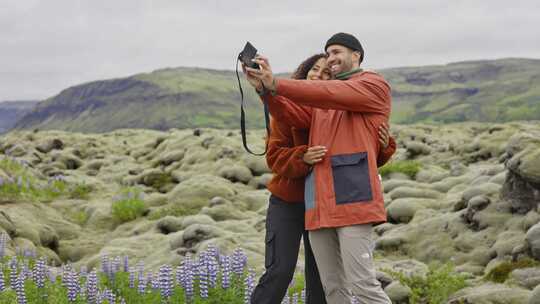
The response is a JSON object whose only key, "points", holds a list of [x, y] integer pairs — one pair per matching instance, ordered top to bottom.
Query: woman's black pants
{"points": [[284, 230]]}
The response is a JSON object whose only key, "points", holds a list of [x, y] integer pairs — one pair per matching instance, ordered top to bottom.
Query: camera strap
{"points": [[243, 119]]}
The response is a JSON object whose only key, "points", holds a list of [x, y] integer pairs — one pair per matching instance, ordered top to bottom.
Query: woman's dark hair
{"points": [[303, 69]]}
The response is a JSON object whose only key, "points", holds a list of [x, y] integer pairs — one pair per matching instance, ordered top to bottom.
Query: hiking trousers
{"points": [[284, 230], [345, 261]]}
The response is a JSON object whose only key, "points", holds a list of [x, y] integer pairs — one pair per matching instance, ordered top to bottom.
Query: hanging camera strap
{"points": [[243, 118]]}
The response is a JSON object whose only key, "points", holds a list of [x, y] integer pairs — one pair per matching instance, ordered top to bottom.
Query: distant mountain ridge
{"points": [[488, 91], [12, 111]]}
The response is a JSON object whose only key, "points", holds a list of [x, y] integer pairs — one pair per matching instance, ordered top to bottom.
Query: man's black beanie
{"points": [[346, 40]]}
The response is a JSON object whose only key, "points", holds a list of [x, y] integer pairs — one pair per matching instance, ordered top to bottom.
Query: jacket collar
{"points": [[347, 75]]}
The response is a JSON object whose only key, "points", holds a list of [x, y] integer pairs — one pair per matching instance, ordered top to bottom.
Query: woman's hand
{"points": [[384, 136], [314, 155]]}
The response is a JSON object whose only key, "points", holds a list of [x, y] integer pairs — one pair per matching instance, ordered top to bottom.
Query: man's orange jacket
{"points": [[343, 115], [286, 148]]}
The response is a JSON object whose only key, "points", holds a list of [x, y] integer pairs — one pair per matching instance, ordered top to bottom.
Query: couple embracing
{"points": [[328, 136]]}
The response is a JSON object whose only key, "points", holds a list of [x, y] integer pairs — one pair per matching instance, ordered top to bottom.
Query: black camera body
{"points": [[248, 53]]}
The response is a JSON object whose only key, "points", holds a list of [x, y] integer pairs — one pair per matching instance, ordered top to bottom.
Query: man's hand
{"points": [[264, 74], [255, 82], [314, 154]]}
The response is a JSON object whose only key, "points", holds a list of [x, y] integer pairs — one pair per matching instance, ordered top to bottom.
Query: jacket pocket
{"points": [[351, 178], [270, 250]]}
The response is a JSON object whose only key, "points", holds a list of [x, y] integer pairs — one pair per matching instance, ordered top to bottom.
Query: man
{"points": [[343, 194]]}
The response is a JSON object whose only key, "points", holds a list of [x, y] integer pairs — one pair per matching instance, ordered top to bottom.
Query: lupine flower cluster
{"points": [[22, 183], [209, 276]]}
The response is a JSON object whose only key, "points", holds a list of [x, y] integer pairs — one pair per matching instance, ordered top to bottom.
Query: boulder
{"points": [[49, 145], [236, 173], [409, 192], [402, 210], [533, 240], [526, 277], [398, 293], [491, 293], [535, 296]]}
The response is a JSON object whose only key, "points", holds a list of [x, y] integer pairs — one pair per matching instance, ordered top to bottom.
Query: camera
{"points": [[248, 53]]}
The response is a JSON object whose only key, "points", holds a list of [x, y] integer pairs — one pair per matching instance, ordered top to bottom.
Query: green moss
{"points": [[407, 167], [161, 180], [80, 191], [128, 206], [177, 211], [79, 217], [500, 273], [436, 287]]}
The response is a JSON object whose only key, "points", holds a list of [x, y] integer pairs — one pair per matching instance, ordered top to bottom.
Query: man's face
{"points": [[341, 59]]}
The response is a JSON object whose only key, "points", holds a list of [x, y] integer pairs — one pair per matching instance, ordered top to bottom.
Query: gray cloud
{"points": [[50, 45]]}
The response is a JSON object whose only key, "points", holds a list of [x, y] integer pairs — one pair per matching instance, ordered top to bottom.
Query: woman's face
{"points": [[319, 71]]}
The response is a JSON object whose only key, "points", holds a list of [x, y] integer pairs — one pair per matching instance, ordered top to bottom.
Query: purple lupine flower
{"points": [[4, 238], [213, 251], [29, 253], [239, 261], [126, 263], [105, 264], [115, 266], [140, 268], [213, 269], [25, 271], [83, 271], [226, 272], [14, 273], [38, 274], [51, 275], [179, 275], [188, 277], [203, 277], [131, 278], [152, 281], [155, 281], [165, 281], [2, 282], [72, 284], [249, 285], [92, 287], [141, 287], [19, 289], [303, 295], [109, 296], [294, 298], [354, 300], [122, 301]]}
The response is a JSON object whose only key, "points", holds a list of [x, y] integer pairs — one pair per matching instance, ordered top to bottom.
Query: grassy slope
{"points": [[500, 90]]}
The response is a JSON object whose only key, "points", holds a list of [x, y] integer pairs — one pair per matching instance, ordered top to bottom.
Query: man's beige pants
{"points": [[345, 261]]}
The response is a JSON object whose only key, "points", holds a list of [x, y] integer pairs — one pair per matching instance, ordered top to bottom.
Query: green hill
{"points": [[490, 91]]}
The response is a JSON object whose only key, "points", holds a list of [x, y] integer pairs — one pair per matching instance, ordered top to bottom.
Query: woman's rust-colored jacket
{"points": [[343, 115]]}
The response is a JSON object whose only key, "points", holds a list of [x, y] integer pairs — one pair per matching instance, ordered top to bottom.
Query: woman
{"points": [[290, 158]]}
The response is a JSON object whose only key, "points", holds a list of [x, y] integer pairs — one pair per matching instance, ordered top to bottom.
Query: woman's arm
{"points": [[385, 154], [283, 158]]}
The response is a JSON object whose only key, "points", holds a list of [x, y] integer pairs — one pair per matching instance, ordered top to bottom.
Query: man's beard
{"points": [[346, 66]]}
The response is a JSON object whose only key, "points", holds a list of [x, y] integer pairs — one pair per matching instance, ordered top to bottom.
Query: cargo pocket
{"points": [[351, 178], [270, 253]]}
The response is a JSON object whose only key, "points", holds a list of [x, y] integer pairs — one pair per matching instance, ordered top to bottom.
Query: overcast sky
{"points": [[46, 46]]}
